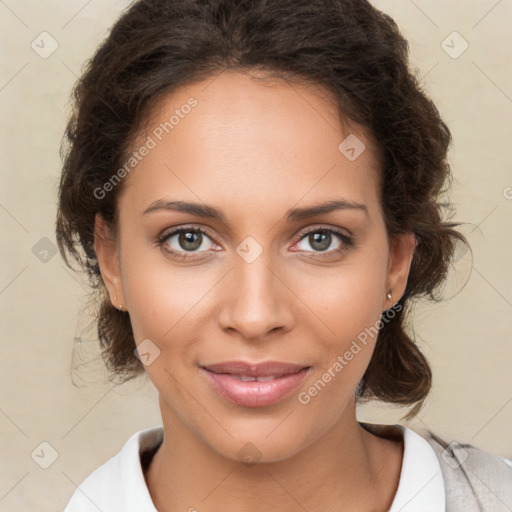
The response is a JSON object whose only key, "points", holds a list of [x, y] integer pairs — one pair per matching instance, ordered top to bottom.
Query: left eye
{"points": [[321, 240]]}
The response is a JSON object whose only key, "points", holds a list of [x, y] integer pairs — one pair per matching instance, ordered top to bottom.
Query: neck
{"points": [[344, 466]]}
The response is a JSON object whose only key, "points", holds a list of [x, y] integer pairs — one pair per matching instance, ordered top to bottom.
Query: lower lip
{"points": [[254, 393]]}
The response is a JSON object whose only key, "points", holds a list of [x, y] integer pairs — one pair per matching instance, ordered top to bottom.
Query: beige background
{"points": [[467, 338]]}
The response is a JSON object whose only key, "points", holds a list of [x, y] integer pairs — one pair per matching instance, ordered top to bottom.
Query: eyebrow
{"points": [[293, 214]]}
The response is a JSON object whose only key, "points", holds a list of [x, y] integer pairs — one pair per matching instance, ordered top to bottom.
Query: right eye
{"points": [[184, 240]]}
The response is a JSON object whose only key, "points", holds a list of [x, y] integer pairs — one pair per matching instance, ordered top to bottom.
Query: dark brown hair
{"points": [[346, 46]]}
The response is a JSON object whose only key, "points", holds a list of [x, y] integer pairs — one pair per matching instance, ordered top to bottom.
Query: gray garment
{"points": [[475, 480]]}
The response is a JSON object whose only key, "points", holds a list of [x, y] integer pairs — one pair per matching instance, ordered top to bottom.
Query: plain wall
{"points": [[467, 338]]}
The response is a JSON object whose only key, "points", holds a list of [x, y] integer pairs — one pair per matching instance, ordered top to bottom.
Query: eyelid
{"points": [[183, 227], [324, 227]]}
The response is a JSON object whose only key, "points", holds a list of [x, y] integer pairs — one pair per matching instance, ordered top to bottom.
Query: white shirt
{"points": [[119, 484]]}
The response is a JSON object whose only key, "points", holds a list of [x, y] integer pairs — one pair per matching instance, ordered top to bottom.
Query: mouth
{"points": [[254, 384]]}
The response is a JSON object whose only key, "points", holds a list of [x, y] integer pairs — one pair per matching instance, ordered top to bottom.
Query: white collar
{"points": [[421, 487]]}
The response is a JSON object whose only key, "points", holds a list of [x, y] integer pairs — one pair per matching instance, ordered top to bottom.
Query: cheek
{"points": [[162, 297], [349, 298], [166, 302], [348, 304], [167, 305]]}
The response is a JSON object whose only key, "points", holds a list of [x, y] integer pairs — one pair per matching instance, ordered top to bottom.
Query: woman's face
{"points": [[263, 282]]}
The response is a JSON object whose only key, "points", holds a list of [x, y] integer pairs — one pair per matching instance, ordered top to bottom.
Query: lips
{"points": [[264, 369], [254, 384]]}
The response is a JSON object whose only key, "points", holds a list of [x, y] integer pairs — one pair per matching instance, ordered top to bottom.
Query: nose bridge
{"points": [[257, 305]]}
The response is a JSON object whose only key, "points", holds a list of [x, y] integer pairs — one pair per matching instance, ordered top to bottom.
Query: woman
{"points": [[253, 187]]}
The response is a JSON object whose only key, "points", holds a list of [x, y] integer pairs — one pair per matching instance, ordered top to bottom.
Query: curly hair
{"points": [[347, 47]]}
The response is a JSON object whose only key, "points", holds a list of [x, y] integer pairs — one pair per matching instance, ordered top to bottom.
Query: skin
{"points": [[253, 151]]}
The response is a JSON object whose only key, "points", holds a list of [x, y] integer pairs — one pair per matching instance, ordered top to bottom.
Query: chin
{"points": [[265, 441], [252, 450]]}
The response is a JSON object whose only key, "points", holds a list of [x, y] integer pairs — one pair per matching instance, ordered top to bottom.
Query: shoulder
{"points": [[474, 478], [119, 483]]}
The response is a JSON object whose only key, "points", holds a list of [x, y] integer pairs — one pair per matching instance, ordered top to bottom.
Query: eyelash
{"points": [[347, 241]]}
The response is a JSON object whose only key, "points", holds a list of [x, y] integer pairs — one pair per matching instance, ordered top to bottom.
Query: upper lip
{"points": [[263, 369]]}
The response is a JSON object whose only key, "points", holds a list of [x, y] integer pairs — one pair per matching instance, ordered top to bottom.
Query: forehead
{"points": [[233, 140]]}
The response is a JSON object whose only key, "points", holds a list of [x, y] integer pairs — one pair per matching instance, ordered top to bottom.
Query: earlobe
{"points": [[400, 259], [108, 261]]}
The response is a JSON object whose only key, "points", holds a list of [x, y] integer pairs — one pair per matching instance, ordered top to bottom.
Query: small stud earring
{"points": [[389, 295], [120, 307]]}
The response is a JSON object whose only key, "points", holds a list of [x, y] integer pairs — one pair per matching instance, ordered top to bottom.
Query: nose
{"points": [[258, 302]]}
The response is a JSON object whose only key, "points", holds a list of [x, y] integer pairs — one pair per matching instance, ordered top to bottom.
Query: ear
{"points": [[400, 258], [108, 260]]}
